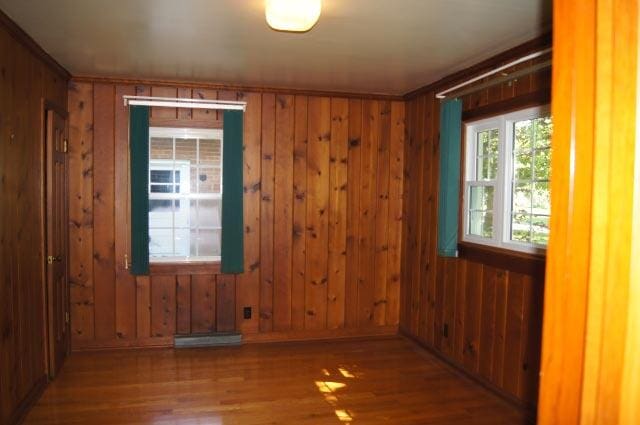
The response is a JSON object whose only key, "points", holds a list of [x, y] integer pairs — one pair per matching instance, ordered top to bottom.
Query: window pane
{"points": [[543, 128], [523, 136], [161, 148], [187, 150], [210, 154], [542, 164], [486, 167], [522, 167], [160, 176], [161, 188], [481, 198], [541, 198], [521, 201], [160, 205], [206, 212], [481, 224], [521, 227], [540, 229], [161, 242]]}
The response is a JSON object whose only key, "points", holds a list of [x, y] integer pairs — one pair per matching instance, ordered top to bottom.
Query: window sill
{"points": [[515, 261], [184, 268]]}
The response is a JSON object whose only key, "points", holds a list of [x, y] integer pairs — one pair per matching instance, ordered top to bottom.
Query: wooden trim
{"points": [[25, 39], [537, 43], [229, 87], [537, 98], [53, 106], [519, 262], [196, 268], [321, 334], [98, 345], [529, 411], [20, 413]]}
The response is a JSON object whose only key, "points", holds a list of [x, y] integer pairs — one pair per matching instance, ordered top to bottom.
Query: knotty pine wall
{"points": [[26, 80], [322, 212], [491, 310]]}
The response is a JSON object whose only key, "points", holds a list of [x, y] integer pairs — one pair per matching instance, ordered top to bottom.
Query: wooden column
{"points": [[589, 371]]}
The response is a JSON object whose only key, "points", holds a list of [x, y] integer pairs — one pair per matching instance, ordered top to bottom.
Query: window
{"points": [[507, 171], [185, 194]]}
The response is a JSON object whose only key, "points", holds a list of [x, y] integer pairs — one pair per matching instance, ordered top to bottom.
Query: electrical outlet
{"points": [[247, 312], [445, 330]]}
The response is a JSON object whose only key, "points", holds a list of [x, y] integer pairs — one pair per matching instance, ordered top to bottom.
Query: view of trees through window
{"points": [[508, 168]]}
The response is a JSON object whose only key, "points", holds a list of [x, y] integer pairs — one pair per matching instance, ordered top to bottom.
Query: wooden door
{"points": [[57, 243]]}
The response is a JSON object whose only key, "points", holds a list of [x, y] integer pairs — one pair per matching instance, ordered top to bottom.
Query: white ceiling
{"points": [[372, 46]]}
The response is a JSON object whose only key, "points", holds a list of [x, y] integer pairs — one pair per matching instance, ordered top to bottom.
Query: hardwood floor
{"points": [[384, 380]]}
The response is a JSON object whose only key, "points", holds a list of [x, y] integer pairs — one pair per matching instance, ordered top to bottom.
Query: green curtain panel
{"points": [[450, 141], [139, 164], [232, 183]]}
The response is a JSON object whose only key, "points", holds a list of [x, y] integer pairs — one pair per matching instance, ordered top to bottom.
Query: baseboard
{"points": [[321, 334], [276, 336], [529, 411], [20, 413]]}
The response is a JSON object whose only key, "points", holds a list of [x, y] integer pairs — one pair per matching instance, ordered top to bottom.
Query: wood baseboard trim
{"points": [[320, 335], [97, 345], [529, 411], [20, 413]]}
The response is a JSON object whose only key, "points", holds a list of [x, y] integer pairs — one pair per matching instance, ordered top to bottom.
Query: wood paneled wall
{"points": [[26, 80], [322, 213], [482, 317]]}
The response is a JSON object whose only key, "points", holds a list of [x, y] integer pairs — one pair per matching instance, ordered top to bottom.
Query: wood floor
{"points": [[374, 381]]}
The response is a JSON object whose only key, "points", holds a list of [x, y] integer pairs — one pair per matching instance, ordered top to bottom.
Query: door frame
{"points": [[46, 106]]}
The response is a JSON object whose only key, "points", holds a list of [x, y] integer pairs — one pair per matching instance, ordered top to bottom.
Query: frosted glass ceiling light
{"points": [[292, 15]]}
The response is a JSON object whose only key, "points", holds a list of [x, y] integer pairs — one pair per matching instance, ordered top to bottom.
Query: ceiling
{"points": [[369, 46]]}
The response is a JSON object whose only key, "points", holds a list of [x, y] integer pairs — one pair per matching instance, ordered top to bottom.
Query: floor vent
{"points": [[208, 340]]}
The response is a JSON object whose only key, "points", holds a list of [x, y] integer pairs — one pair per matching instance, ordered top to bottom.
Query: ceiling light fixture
{"points": [[292, 15]]}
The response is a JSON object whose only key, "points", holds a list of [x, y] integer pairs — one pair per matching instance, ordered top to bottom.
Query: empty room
{"points": [[319, 212]]}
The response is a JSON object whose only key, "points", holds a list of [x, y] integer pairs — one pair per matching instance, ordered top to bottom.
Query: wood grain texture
{"points": [[29, 82], [303, 179], [480, 312], [202, 386]]}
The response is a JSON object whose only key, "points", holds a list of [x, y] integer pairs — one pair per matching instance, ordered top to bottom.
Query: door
{"points": [[57, 245]]}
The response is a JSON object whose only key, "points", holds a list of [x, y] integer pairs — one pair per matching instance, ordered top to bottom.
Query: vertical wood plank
{"points": [[161, 111], [210, 115], [319, 137], [338, 157], [396, 164], [103, 209], [81, 210], [266, 211], [283, 212], [353, 213], [299, 214], [366, 226], [381, 242], [248, 283], [125, 290], [203, 303], [225, 303], [183, 304], [163, 306], [143, 307], [472, 310], [487, 317], [458, 330], [513, 333], [497, 373]]}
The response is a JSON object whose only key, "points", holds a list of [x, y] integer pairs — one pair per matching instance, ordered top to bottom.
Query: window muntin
{"points": [[506, 190], [185, 194]]}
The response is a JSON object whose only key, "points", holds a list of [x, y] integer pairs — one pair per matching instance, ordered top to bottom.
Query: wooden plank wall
{"points": [[25, 80], [322, 213], [485, 320]]}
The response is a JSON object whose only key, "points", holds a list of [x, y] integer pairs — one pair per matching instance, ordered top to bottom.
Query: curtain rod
{"points": [[444, 94], [176, 102]]}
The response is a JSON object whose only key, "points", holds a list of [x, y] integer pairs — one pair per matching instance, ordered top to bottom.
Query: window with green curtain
{"points": [[139, 166], [448, 198], [232, 249]]}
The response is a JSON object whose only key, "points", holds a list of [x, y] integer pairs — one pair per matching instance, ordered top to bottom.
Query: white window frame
{"points": [[504, 177], [184, 195]]}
